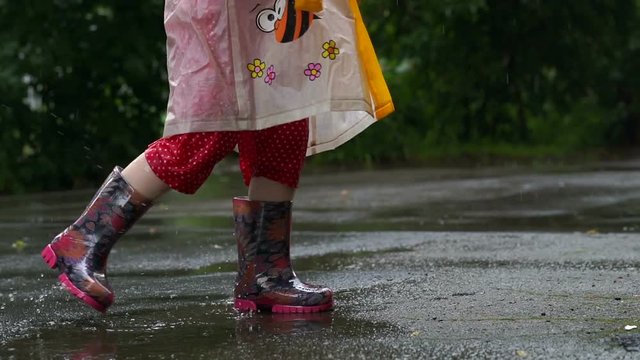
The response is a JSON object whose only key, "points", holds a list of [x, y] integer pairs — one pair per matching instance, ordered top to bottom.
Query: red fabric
{"points": [[185, 161]]}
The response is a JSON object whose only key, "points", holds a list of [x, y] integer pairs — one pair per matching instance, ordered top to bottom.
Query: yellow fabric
{"points": [[309, 5], [382, 101]]}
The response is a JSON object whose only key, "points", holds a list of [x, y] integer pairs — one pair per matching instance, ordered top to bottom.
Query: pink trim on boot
{"points": [[49, 256], [250, 306]]}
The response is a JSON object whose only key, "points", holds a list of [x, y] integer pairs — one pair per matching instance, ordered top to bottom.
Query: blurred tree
{"points": [[479, 74], [82, 87]]}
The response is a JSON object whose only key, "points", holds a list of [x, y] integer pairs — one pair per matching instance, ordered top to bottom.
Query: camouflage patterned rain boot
{"points": [[80, 252], [265, 278]]}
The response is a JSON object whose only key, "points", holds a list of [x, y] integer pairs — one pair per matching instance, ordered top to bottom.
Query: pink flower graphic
{"points": [[313, 71], [271, 75]]}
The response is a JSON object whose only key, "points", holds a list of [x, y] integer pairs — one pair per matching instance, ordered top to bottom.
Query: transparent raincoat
{"points": [[246, 65]]}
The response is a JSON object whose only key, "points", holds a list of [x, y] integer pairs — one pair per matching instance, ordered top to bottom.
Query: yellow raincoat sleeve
{"points": [[313, 6], [383, 103]]}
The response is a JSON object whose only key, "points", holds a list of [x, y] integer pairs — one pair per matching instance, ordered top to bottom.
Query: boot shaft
{"points": [[117, 201], [115, 207], [263, 233]]}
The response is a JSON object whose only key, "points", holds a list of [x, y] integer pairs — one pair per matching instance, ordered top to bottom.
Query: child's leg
{"points": [[271, 161], [142, 178], [263, 189]]}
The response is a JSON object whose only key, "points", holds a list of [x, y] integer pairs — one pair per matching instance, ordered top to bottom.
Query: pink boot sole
{"points": [[50, 258], [248, 305]]}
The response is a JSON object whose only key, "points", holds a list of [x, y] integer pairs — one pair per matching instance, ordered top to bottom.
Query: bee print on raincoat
{"points": [[285, 21]]}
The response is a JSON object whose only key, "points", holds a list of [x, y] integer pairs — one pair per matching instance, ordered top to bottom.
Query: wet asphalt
{"points": [[538, 262]]}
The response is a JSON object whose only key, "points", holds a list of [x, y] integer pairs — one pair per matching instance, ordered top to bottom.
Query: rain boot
{"points": [[80, 252], [265, 278]]}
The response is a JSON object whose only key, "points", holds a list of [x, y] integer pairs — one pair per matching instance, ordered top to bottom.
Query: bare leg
{"points": [[140, 176], [263, 189]]}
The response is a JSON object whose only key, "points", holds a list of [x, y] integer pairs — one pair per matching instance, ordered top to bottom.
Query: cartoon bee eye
{"points": [[279, 7], [266, 20]]}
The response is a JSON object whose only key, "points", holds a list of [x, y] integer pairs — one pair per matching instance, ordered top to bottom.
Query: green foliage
{"points": [[481, 74], [83, 83], [82, 87]]}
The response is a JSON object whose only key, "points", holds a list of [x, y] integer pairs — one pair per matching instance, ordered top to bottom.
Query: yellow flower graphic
{"points": [[330, 50], [256, 68]]}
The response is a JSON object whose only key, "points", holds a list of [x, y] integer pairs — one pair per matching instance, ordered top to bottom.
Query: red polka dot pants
{"points": [[185, 161]]}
